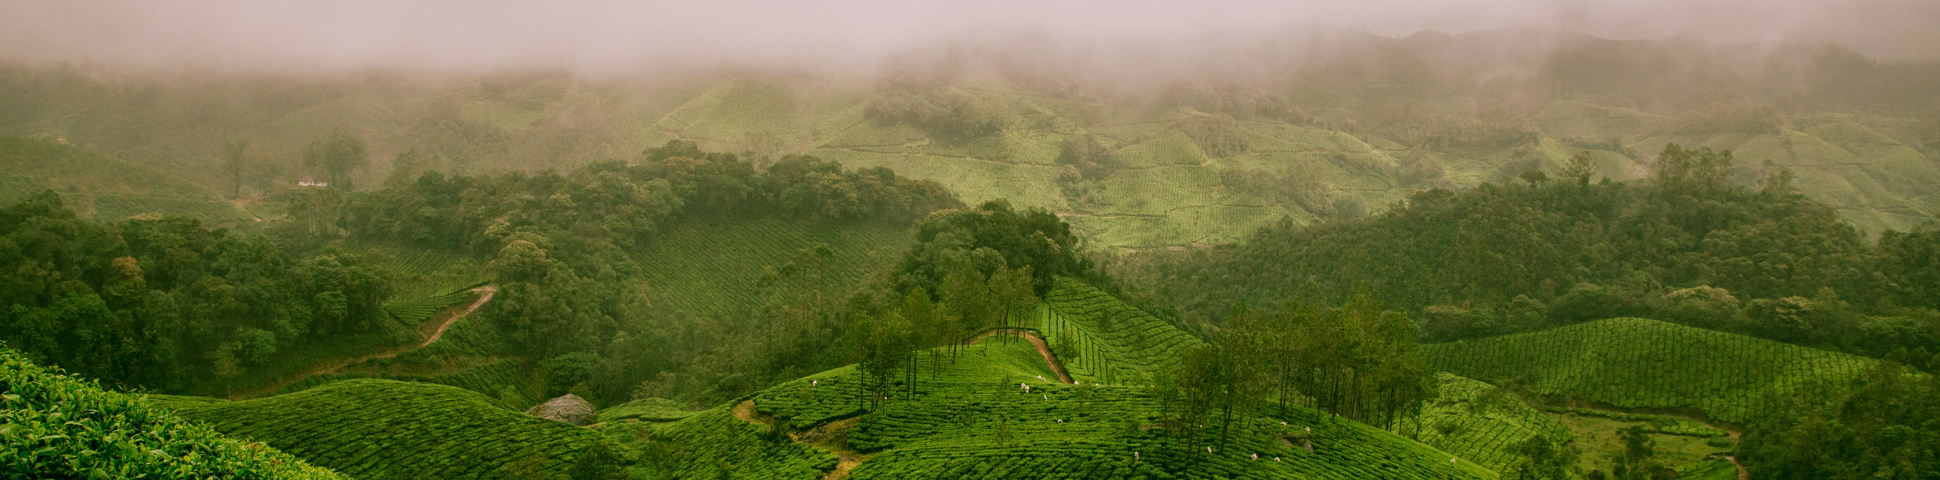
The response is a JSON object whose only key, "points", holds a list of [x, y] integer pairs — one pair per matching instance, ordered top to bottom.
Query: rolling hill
{"points": [[1196, 162], [1113, 343], [1637, 363], [970, 419], [388, 429]]}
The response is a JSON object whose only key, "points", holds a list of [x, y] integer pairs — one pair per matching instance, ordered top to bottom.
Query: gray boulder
{"points": [[567, 408]]}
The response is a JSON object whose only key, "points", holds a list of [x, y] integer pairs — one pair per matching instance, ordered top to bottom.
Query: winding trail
{"points": [[449, 316], [1036, 341], [831, 436]]}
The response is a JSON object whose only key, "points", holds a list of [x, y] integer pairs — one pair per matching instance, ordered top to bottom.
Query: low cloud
{"points": [[637, 36]]}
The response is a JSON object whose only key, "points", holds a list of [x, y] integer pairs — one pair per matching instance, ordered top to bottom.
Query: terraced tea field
{"points": [[422, 273], [1117, 344], [1649, 364], [489, 377], [647, 410], [972, 418], [1479, 422], [54, 425], [381, 429], [709, 444]]}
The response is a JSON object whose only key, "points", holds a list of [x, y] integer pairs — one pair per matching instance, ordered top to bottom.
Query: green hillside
{"points": [[1211, 166], [102, 187], [717, 266], [1110, 342], [1648, 364], [971, 419], [1480, 422], [54, 425], [387, 429], [715, 444]]}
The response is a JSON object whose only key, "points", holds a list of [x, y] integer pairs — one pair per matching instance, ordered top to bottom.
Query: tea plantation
{"points": [[1115, 343], [1640, 363], [973, 418], [1480, 422], [53, 425], [381, 429]]}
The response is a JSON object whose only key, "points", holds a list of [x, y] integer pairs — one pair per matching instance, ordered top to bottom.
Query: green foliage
{"points": [[936, 109], [1217, 135], [337, 155], [988, 237], [1685, 246], [715, 268], [167, 304], [1118, 344], [1638, 363], [488, 377], [653, 409], [1485, 424], [55, 425], [1878, 425], [952, 427], [387, 429], [714, 444], [1542, 459], [1717, 469]]}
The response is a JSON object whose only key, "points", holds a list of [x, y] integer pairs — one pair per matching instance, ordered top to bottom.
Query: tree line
{"points": [[1685, 244], [989, 267], [163, 303], [1357, 360], [1882, 427]]}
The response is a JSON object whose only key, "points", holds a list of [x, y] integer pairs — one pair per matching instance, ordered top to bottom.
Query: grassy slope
{"points": [[103, 187], [1648, 364], [54, 425], [385, 429], [1679, 442]]}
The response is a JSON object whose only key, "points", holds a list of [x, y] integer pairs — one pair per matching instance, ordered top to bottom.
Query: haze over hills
{"points": [[1198, 157], [1148, 240]]}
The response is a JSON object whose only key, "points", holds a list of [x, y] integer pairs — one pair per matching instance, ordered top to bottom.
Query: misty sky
{"points": [[643, 35]]}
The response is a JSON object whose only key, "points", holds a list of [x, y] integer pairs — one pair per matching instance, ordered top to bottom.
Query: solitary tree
{"points": [[337, 155]]}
